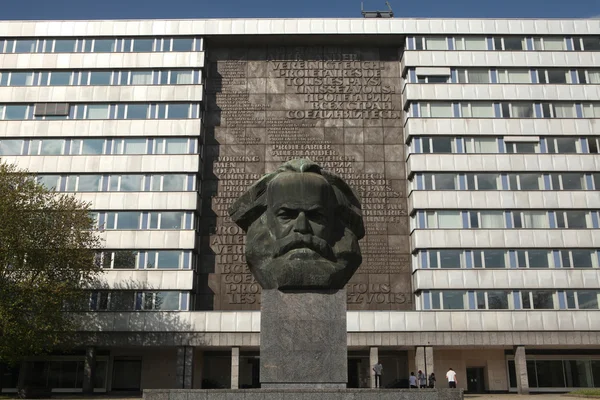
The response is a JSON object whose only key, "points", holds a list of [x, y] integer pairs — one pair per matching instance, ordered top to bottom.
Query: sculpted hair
{"points": [[253, 203]]}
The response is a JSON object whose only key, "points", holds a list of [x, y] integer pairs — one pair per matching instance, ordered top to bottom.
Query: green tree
{"points": [[47, 258]]}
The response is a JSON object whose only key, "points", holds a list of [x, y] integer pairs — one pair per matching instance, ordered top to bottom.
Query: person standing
{"points": [[378, 369], [451, 376], [422, 379], [432, 380], [412, 381]]}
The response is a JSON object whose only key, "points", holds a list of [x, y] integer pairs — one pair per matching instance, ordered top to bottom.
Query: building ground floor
{"points": [[480, 369]]}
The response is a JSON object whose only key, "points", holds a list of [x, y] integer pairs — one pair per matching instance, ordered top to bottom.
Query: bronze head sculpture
{"points": [[303, 225]]}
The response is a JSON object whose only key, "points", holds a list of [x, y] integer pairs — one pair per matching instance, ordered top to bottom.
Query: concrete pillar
{"points": [[373, 358], [424, 360], [185, 367], [235, 367], [89, 370], [521, 370]]}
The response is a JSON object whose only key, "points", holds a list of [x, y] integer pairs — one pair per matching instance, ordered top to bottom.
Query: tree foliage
{"points": [[47, 258]]}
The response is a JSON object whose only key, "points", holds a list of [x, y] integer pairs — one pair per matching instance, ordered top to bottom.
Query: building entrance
{"points": [[127, 375], [475, 380]]}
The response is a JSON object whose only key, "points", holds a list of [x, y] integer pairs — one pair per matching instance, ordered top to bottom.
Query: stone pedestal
{"points": [[303, 340], [521, 370]]}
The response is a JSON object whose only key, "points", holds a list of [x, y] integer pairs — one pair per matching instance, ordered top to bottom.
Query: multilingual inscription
{"points": [[337, 106]]}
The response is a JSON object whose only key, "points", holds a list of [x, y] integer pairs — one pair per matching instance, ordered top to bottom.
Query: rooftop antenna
{"points": [[377, 14]]}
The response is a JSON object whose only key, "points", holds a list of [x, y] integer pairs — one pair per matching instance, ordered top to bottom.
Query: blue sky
{"points": [[134, 9]]}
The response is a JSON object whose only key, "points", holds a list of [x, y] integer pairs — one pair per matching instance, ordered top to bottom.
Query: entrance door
{"points": [[353, 373], [127, 375], [475, 380]]}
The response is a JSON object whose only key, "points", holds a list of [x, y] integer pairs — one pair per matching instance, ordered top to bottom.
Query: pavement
{"points": [[537, 396]]}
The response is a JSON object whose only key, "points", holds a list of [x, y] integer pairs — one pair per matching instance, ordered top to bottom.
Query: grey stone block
{"points": [[305, 394]]}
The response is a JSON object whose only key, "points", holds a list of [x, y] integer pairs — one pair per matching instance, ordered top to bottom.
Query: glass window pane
{"points": [[436, 43], [474, 43], [513, 43], [591, 43], [183, 44], [554, 44], [104, 45], [143, 45], [24, 46], [64, 46], [478, 75], [557, 75], [518, 76], [141, 77], [181, 77], [21, 78], [60, 78], [99, 78], [441, 110], [482, 110], [522, 110], [564, 110], [99, 111], [137, 111], [178, 111], [15, 112], [442, 144], [566, 145], [92, 146], [134, 146], [176, 146], [11, 147], [50, 147], [50, 181], [445, 181], [487, 181], [530, 181], [572, 181], [89, 183], [131, 183], [172, 183], [449, 219], [492, 219], [534, 219], [576, 219], [128, 220], [171, 220], [450, 258], [494, 258], [538, 258], [582, 258], [124, 259], [168, 259], [542, 299], [588, 299], [453, 300], [498, 300], [122, 301], [167, 301], [550, 373]]}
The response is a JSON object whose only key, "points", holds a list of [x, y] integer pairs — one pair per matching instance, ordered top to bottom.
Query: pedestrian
{"points": [[378, 369], [451, 376], [422, 379], [432, 380], [412, 381]]}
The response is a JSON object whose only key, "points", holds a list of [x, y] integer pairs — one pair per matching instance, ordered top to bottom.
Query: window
{"points": [[431, 43], [471, 43], [509, 43], [587, 43], [182, 44], [549, 44], [25, 45], [63, 45], [104, 45], [143, 45], [474, 75], [554, 75], [514, 76], [593, 76], [141, 77], [181, 77], [21, 78], [59, 78], [100, 78], [436, 110], [477, 110], [517, 110], [564, 110], [591, 110], [99, 111], [136, 111], [178, 111], [15, 112], [438, 144], [562, 144], [481, 145], [87, 146], [131, 146], [171, 146], [11, 147], [46, 147], [522, 147], [596, 179], [50, 181], [440, 181], [483, 181], [524, 181], [567, 181], [84, 183], [126, 183], [444, 219], [530, 219], [572, 219], [123, 220], [166, 220], [487, 220], [489, 258], [533, 258], [579, 258], [122, 259], [164, 259], [445, 259], [538, 299], [582, 299], [448, 300], [492, 300], [164, 301]]}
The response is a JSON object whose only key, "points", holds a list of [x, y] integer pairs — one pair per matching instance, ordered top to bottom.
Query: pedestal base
{"points": [[303, 340]]}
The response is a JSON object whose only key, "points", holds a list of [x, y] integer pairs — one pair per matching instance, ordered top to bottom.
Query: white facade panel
{"points": [[497, 59], [36, 61], [494, 92], [101, 94], [500, 127], [101, 128], [502, 162], [107, 163], [437, 200], [107, 201], [504, 238], [147, 239], [507, 279], [146, 280]]}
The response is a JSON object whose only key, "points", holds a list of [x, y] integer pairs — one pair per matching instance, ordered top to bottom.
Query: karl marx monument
{"points": [[303, 225]]}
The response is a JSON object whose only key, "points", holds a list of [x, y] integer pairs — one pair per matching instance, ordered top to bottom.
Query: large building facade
{"points": [[473, 143]]}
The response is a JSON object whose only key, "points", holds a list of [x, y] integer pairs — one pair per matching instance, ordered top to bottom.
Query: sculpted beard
{"points": [[278, 264]]}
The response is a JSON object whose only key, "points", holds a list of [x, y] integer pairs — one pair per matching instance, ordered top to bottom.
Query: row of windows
{"points": [[504, 43], [101, 45], [510, 75], [100, 77], [515, 109], [104, 111], [506, 144], [74, 147], [512, 181], [119, 183], [499, 219], [136, 220], [502, 258], [145, 259], [128, 300], [510, 300], [571, 373]]}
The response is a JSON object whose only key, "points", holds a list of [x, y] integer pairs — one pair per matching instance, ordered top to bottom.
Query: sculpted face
{"points": [[300, 242]]}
